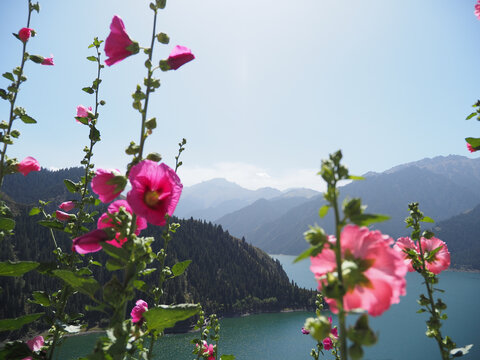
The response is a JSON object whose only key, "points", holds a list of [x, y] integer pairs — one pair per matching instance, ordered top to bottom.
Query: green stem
{"points": [[147, 93], [12, 101], [338, 257]]}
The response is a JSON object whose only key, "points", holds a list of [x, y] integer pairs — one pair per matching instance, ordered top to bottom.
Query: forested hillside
{"points": [[227, 275]]}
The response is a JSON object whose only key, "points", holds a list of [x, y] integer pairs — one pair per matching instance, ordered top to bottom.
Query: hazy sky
{"points": [[275, 87]]}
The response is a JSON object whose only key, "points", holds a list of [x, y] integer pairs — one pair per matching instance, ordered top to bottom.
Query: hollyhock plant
{"points": [[24, 34], [118, 44], [179, 56], [48, 61], [27, 165], [108, 184], [156, 189], [67, 205], [105, 221], [90, 242], [439, 262], [376, 276], [138, 310], [35, 345]]}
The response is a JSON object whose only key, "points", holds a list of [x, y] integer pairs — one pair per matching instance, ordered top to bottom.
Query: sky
{"points": [[275, 87]]}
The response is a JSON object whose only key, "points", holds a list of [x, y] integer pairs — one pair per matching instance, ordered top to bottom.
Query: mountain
{"points": [[442, 185], [212, 199], [462, 236], [227, 275]]}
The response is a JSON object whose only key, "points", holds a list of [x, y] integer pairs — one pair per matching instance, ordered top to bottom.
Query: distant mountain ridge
{"points": [[445, 186], [212, 199]]}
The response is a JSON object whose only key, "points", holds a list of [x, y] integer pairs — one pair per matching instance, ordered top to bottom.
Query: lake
{"points": [[277, 336]]}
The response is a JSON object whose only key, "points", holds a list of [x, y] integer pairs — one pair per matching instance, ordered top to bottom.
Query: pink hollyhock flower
{"points": [[477, 9], [24, 34], [118, 45], [179, 56], [48, 61], [83, 112], [470, 147], [28, 164], [104, 184], [155, 192], [67, 205], [62, 216], [105, 221], [89, 242], [441, 260], [381, 270], [137, 311], [305, 331], [334, 332], [34, 344], [327, 344], [207, 349]]}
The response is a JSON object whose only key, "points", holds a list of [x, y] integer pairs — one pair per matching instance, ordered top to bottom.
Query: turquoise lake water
{"points": [[278, 337]]}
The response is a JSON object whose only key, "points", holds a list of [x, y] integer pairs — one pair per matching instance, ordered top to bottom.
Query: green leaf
{"points": [[91, 58], [8, 76], [88, 90], [471, 116], [27, 119], [475, 142], [353, 177], [71, 186], [323, 210], [34, 211], [368, 219], [427, 219], [7, 223], [52, 224], [313, 251], [117, 253], [115, 264], [9, 268], [179, 268], [86, 285], [140, 285], [41, 298], [166, 316], [17, 323], [227, 357]]}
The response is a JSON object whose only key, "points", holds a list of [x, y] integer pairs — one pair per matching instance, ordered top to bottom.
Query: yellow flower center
{"points": [[151, 198]]}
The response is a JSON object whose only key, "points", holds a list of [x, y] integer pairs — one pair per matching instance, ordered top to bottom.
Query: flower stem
{"points": [[14, 99]]}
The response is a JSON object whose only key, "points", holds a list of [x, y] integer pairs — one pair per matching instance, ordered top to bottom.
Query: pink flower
{"points": [[477, 9], [24, 34], [118, 45], [180, 55], [48, 61], [83, 112], [470, 147], [28, 164], [105, 184], [155, 192], [67, 205], [62, 216], [105, 221], [89, 242], [441, 260], [377, 277], [137, 311], [305, 331], [334, 332], [34, 344], [327, 344], [207, 349]]}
